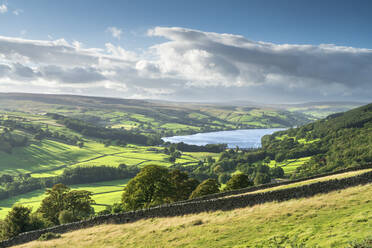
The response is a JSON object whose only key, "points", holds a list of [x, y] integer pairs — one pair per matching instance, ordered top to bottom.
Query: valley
{"points": [[98, 145]]}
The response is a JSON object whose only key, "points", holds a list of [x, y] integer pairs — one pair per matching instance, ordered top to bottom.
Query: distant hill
{"points": [[165, 118]]}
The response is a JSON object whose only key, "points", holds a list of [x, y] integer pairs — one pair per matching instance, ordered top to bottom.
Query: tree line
{"points": [[38, 132], [121, 136], [24, 183], [153, 185]]}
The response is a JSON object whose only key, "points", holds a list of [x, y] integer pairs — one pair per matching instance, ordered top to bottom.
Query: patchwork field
{"points": [[290, 165], [104, 193]]}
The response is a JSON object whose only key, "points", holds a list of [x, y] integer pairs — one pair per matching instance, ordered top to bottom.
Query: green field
{"points": [[289, 166], [104, 193], [325, 220]]}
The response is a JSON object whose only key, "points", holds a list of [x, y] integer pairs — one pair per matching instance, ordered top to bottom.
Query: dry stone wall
{"points": [[201, 205]]}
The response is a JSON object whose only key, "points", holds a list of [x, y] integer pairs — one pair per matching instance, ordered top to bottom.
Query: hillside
{"points": [[166, 118], [341, 140], [338, 141], [328, 220]]}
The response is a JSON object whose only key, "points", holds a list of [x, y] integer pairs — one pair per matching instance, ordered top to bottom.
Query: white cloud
{"points": [[3, 9], [17, 12], [115, 32], [190, 65]]}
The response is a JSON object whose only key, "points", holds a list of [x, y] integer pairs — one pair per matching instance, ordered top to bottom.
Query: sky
{"points": [[271, 51]]}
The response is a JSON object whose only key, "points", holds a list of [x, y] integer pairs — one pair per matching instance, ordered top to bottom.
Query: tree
{"points": [[276, 172], [261, 178], [238, 181], [182, 185], [150, 187], [207, 187], [60, 198], [54, 202], [16, 222]]}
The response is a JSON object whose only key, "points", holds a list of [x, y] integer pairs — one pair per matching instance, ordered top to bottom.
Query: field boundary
{"points": [[272, 185], [201, 205]]}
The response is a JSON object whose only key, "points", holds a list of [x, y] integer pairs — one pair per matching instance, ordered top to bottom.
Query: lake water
{"points": [[245, 138]]}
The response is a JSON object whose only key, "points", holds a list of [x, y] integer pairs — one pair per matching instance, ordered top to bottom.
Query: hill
{"points": [[166, 118], [341, 140], [338, 141], [327, 220]]}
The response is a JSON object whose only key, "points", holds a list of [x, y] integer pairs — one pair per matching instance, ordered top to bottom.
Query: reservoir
{"points": [[245, 138]]}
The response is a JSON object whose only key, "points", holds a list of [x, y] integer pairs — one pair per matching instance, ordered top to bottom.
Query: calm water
{"points": [[247, 138]]}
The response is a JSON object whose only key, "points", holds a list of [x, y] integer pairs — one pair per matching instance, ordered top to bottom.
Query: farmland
{"points": [[61, 147], [104, 194]]}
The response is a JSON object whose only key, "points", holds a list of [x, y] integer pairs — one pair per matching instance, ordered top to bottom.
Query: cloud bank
{"points": [[189, 65]]}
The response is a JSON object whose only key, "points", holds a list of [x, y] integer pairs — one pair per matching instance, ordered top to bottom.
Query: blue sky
{"points": [[339, 22], [141, 35]]}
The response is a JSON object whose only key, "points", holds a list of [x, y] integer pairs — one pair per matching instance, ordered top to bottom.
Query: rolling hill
{"points": [[166, 118]]}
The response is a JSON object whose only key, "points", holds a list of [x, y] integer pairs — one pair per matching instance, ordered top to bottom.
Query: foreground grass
{"points": [[328, 220]]}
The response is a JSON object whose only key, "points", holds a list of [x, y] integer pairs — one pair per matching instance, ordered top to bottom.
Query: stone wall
{"points": [[270, 185], [201, 205]]}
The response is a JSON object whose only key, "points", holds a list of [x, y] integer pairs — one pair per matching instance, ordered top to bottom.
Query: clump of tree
{"points": [[36, 130], [109, 135], [10, 140], [215, 148], [156, 185], [63, 205], [21, 219]]}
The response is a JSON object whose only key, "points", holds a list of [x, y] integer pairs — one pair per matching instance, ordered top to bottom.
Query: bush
{"points": [[277, 172], [223, 178], [261, 178], [238, 181], [117, 208], [66, 216], [37, 221], [16, 222], [49, 236], [367, 243]]}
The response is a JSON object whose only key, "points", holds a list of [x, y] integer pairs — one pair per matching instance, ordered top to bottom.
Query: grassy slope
{"points": [[110, 192], [327, 220]]}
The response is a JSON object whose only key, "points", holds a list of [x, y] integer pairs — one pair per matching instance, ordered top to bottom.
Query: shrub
{"points": [[223, 178], [261, 178], [238, 181], [66, 216], [16, 222], [49, 236], [366, 243]]}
